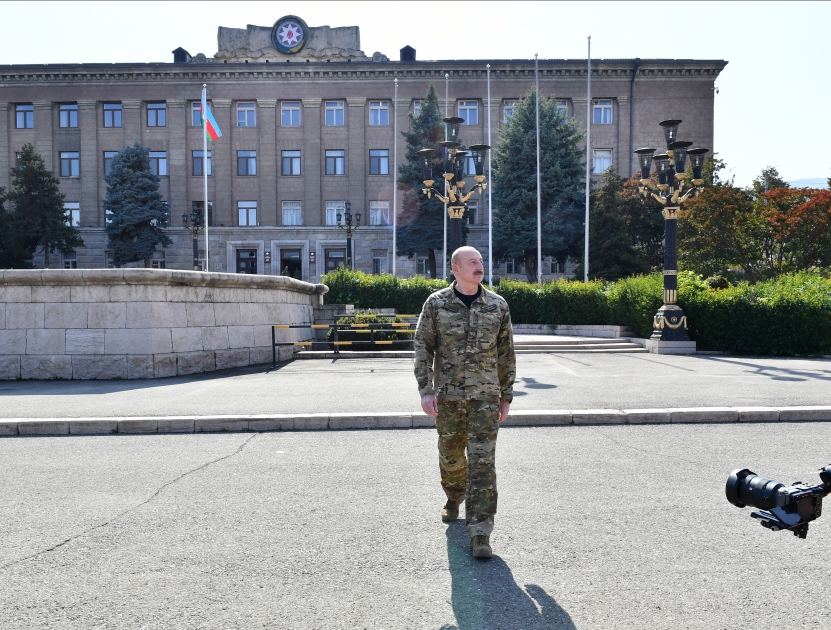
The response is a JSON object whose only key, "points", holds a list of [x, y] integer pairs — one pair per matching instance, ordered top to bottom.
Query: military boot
{"points": [[450, 511], [480, 546]]}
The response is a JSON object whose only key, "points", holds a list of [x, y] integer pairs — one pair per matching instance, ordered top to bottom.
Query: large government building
{"points": [[308, 124]]}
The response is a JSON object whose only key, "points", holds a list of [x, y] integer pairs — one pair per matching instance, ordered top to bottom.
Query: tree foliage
{"points": [[768, 179], [515, 185], [135, 207], [36, 218]]}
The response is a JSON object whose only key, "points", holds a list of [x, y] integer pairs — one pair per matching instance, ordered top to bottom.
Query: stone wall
{"points": [[144, 323]]}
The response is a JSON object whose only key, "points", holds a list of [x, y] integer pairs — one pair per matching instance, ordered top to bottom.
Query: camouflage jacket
{"points": [[465, 354]]}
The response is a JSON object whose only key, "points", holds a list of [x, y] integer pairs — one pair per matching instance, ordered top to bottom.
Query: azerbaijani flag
{"points": [[208, 120]]}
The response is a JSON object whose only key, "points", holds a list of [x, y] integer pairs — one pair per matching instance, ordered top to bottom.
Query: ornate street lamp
{"points": [[453, 166], [671, 188], [193, 222], [349, 222]]}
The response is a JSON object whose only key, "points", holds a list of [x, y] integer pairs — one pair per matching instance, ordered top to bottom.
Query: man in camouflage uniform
{"points": [[465, 367]]}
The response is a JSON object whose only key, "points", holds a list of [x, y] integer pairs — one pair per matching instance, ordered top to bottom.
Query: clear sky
{"points": [[773, 105]]}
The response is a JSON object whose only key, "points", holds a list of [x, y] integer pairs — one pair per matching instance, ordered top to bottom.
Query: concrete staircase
{"points": [[550, 344]]}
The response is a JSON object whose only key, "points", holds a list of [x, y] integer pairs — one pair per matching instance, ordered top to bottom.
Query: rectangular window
{"points": [[418, 105], [563, 107], [507, 110], [602, 111], [469, 112], [196, 113], [334, 113], [379, 113], [157, 114], [247, 114], [290, 114], [68, 115], [112, 115], [24, 116], [109, 156], [601, 160], [197, 162], [246, 162], [290, 162], [335, 162], [379, 162], [70, 163], [158, 163], [470, 166], [199, 206], [333, 208], [72, 210], [247, 211], [472, 211], [379, 212], [292, 213], [335, 257], [70, 261], [158, 261], [379, 261], [514, 265], [422, 266], [558, 266]]}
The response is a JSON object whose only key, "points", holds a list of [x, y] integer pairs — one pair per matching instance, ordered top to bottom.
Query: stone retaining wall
{"points": [[144, 323]]}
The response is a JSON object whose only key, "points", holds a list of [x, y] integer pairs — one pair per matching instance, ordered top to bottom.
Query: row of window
{"points": [[290, 113]]}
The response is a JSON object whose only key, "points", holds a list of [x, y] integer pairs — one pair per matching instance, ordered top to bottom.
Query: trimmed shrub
{"points": [[405, 295], [557, 302]]}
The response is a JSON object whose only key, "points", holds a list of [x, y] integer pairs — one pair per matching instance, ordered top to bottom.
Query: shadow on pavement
{"points": [[777, 373], [485, 597]]}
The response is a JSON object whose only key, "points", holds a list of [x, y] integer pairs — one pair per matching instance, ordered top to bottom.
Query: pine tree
{"points": [[767, 180], [515, 186], [136, 209], [37, 219], [421, 222]]}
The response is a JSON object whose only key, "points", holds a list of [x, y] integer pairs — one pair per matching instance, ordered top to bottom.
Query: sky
{"points": [[772, 108]]}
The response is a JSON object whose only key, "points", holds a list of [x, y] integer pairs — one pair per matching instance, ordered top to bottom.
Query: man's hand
{"points": [[429, 405], [504, 408]]}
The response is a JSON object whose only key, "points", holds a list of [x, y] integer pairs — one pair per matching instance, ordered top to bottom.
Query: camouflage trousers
{"points": [[469, 427]]}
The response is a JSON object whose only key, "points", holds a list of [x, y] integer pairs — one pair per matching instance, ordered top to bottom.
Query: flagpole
{"points": [[588, 163], [205, 166], [395, 173], [539, 186], [490, 187], [444, 246]]}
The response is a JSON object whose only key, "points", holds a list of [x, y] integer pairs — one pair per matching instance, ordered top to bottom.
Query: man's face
{"points": [[469, 267]]}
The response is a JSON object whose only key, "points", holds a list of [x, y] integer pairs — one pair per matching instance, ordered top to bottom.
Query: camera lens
{"points": [[744, 487]]}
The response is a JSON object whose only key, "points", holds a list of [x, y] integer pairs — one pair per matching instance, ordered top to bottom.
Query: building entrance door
{"points": [[247, 261], [290, 264]]}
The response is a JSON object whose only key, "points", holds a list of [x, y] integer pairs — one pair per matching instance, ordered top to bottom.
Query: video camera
{"points": [[784, 507]]}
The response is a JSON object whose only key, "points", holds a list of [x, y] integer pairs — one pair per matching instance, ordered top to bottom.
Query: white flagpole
{"points": [[588, 163], [205, 165], [395, 173], [539, 178], [490, 187], [444, 247]]}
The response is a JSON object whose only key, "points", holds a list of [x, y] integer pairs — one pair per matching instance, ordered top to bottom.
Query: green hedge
{"points": [[790, 315]]}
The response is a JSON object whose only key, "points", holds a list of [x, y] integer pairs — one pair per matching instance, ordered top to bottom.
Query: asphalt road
{"points": [[544, 381], [598, 527]]}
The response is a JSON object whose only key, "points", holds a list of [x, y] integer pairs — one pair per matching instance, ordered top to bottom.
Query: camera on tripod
{"points": [[783, 507]]}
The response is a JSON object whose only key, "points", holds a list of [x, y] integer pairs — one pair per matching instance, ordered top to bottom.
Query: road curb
{"points": [[33, 427]]}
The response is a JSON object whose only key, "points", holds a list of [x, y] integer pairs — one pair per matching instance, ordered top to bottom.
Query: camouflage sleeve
{"points": [[424, 345], [506, 358]]}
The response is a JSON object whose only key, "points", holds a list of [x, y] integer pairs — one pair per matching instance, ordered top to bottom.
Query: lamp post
{"points": [[453, 165], [671, 189], [193, 222], [349, 222]]}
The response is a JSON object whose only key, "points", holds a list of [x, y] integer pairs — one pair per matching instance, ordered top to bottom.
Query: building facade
{"points": [[307, 131]]}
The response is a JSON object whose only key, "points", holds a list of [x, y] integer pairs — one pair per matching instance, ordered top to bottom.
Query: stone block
{"points": [[90, 293], [137, 293], [15, 294], [51, 294], [190, 294], [200, 314], [227, 314], [252, 314], [2, 315], [19, 315], [107, 315], [156, 315], [262, 335], [240, 336], [215, 337], [186, 339], [13, 341], [43, 341], [85, 341], [137, 341], [670, 347], [259, 356], [232, 358], [195, 362], [164, 365], [140, 366], [45, 367], [103, 367], [9, 368], [758, 414], [805, 414], [704, 415], [598, 416], [647, 416], [521, 418], [311, 422], [274, 423], [138, 425], [175, 425], [220, 425], [43, 427], [93, 427], [8, 428]]}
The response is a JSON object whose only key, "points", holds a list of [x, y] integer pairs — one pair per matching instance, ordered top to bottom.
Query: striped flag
{"points": [[208, 121]]}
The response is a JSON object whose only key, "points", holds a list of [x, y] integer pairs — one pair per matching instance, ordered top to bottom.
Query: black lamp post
{"points": [[453, 160], [671, 189], [193, 222], [349, 222]]}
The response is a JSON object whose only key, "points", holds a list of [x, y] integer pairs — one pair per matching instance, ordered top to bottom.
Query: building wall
{"points": [[661, 89]]}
